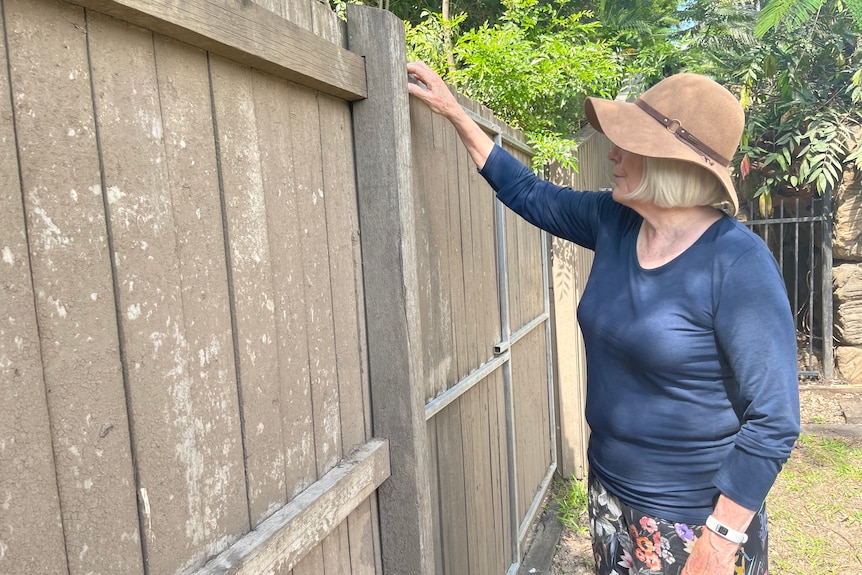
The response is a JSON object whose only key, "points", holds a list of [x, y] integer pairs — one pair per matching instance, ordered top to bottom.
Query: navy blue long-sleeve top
{"points": [[692, 384]]}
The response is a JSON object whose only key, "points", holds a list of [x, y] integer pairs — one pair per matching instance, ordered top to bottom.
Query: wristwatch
{"points": [[720, 528]]}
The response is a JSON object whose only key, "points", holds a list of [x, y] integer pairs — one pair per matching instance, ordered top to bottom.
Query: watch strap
{"points": [[724, 531]]}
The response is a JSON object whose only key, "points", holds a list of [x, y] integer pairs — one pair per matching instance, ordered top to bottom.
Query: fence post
{"points": [[381, 128], [827, 288]]}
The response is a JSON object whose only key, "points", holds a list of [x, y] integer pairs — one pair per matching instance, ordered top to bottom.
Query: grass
{"points": [[572, 501], [814, 508]]}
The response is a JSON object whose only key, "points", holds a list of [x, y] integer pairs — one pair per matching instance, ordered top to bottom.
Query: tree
{"points": [[536, 65], [800, 85]]}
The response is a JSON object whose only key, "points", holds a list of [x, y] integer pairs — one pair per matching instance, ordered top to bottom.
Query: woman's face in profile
{"points": [[628, 172]]}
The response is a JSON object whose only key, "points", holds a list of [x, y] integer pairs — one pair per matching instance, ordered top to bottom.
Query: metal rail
{"points": [[810, 239]]}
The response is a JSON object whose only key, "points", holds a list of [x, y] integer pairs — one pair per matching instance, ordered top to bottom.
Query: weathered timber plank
{"points": [[326, 24], [250, 34], [275, 120], [381, 126], [444, 145], [455, 155], [307, 188], [477, 192], [485, 199], [433, 247], [470, 257], [513, 264], [171, 273], [254, 276], [74, 295], [529, 379], [499, 471], [477, 478], [434, 487], [452, 494], [31, 529], [282, 540], [336, 551], [364, 560], [311, 564]]}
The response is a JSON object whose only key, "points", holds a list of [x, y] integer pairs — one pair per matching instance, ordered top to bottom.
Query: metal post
{"points": [[826, 299]]}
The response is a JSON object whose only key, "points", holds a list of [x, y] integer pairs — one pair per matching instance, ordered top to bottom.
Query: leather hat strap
{"points": [[675, 127]]}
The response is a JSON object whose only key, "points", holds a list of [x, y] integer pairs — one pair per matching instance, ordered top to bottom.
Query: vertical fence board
{"points": [[272, 107], [381, 127], [455, 156], [484, 199], [311, 207], [342, 228], [168, 241], [433, 249], [469, 256], [513, 261], [72, 278], [481, 286], [255, 298], [531, 424], [499, 469], [478, 487], [434, 488], [453, 497], [31, 529], [336, 552], [364, 559], [312, 564]]}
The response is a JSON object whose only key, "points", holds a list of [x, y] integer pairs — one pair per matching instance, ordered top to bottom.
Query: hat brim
{"points": [[633, 130]]}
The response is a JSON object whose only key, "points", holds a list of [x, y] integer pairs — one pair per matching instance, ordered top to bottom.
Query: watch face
{"points": [[722, 530]]}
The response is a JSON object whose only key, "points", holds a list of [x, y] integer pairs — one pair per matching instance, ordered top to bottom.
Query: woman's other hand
{"points": [[711, 555]]}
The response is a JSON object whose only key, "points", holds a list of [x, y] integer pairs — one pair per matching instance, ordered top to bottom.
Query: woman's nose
{"points": [[614, 153]]}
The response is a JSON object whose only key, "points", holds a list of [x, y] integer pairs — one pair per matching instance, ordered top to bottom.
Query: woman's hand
{"points": [[435, 93], [442, 101], [711, 555]]}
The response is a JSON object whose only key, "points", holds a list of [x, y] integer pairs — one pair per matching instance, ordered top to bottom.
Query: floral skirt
{"points": [[629, 542]]}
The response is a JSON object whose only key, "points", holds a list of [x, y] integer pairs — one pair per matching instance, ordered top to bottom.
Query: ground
{"points": [[820, 405]]}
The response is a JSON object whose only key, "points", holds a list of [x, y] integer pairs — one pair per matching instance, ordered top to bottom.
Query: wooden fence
{"points": [[570, 270], [259, 312]]}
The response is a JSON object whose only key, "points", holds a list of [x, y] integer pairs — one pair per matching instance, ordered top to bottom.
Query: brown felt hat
{"points": [[684, 117]]}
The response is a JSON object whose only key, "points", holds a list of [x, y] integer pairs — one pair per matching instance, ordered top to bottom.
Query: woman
{"points": [[692, 391]]}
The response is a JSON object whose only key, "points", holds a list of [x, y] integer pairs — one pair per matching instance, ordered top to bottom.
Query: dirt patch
{"points": [[821, 406], [803, 513]]}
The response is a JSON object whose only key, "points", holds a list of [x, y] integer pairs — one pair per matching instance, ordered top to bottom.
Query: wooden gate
{"points": [[259, 313], [182, 338]]}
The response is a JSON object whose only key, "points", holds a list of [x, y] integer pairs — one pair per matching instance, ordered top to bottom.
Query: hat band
{"points": [[675, 128]]}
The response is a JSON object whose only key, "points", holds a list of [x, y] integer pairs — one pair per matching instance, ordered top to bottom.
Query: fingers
{"points": [[422, 72], [434, 90]]}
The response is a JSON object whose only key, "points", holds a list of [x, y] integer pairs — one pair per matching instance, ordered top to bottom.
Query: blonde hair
{"points": [[671, 183]]}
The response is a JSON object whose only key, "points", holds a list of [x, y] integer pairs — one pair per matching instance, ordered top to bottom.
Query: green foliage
{"points": [[793, 13], [634, 25], [425, 40], [534, 68], [800, 86], [572, 500]]}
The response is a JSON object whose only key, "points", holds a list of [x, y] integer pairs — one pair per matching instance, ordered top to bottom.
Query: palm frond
{"points": [[793, 13]]}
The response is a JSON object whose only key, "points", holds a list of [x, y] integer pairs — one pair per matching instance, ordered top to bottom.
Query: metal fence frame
{"points": [[818, 228], [502, 361]]}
